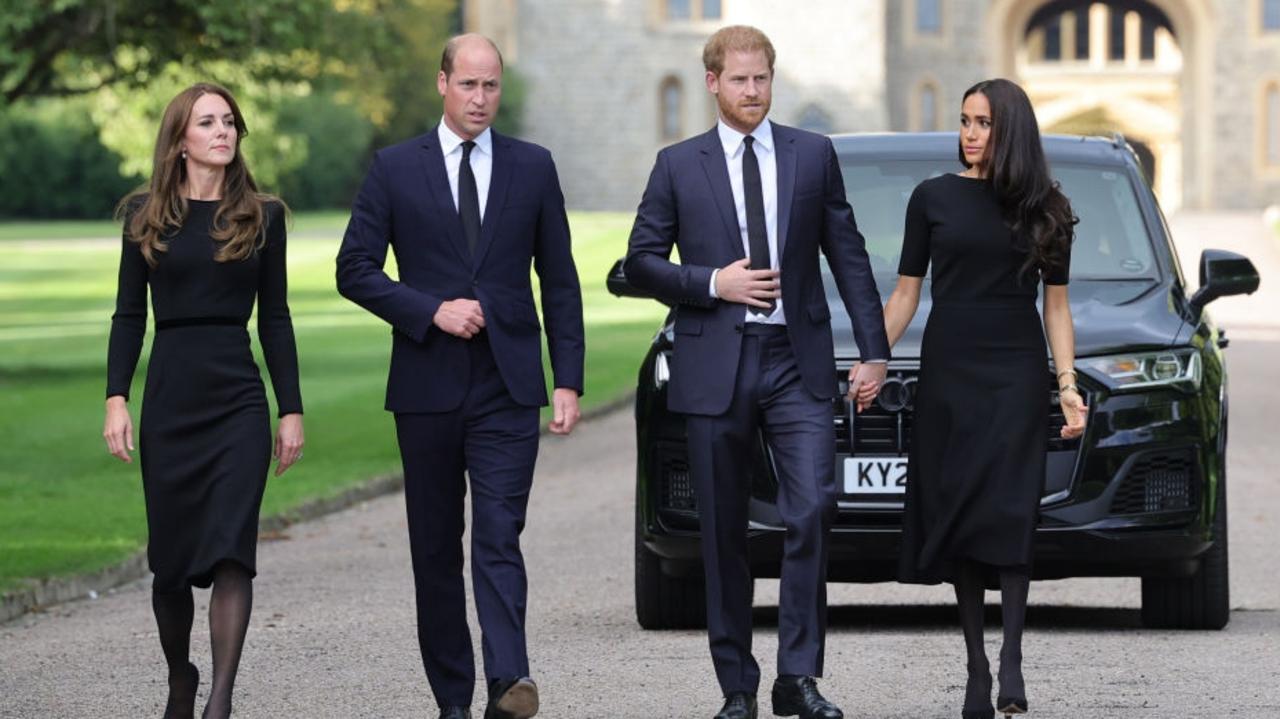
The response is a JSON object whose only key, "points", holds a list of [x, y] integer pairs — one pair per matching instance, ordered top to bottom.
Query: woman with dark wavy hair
{"points": [[993, 234], [207, 244]]}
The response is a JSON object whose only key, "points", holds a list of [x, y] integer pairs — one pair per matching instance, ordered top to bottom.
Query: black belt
{"points": [[201, 322], [761, 329]]}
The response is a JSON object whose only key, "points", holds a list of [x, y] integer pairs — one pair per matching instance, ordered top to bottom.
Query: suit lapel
{"points": [[786, 160], [717, 169], [499, 179], [438, 188]]}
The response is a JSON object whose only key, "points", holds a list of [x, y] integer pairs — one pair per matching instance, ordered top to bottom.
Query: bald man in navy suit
{"points": [[467, 211]]}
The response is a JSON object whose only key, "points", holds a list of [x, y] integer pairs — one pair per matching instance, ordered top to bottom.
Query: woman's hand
{"points": [[1074, 410], [117, 430], [289, 442]]}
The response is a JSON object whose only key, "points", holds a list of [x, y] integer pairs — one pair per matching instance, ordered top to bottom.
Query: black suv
{"points": [[1142, 493]]}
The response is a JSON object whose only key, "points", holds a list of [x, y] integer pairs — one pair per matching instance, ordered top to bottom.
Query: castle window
{"points": [[684, 10], [1271, 15], [929, 16], [671, 108], [928, 118]]}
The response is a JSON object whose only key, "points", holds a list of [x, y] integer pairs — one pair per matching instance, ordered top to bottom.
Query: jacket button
{"points": [[737, 328]]}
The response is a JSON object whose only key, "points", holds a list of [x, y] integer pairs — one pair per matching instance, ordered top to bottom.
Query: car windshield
{"points": [[1111, 240]]}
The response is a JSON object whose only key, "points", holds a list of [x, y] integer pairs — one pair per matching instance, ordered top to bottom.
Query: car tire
{"points": [[1203, 600], [666, 602]]}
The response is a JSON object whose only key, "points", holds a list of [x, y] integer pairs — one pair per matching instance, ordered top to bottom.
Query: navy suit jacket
{"points": [[406, 203], [689, 203]]}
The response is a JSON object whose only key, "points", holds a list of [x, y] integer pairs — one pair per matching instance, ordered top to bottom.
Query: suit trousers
{"points": [[769, 398], [494, 441]]}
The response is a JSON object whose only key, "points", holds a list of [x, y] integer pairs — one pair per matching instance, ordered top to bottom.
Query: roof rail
{"points": [[1118, 141]]}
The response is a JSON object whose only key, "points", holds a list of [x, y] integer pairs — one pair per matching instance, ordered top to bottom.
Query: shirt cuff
{"points": [[712, 289]]}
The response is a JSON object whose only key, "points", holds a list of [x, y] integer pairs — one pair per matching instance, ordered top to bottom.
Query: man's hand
{"points": [[739, 283], [460, 318], [865, 381], [564, 404]]}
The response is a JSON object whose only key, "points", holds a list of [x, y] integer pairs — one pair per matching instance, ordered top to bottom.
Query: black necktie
{"points": [[469, 199], [757, 235]]}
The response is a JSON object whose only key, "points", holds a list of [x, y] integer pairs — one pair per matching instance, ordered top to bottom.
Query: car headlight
{"points": [[1143, 370]]}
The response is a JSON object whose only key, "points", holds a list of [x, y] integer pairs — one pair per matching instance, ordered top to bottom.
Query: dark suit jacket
{"points": [[406, 203], [689, 203]]}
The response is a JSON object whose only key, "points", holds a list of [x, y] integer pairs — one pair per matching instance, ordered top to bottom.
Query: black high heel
{"points": [[977, 696], [1015, 702], [1012, 705], [184, 707]]}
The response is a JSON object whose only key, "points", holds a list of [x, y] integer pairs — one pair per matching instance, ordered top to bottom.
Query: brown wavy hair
{"points": [[1034, 207], [159, 208]]}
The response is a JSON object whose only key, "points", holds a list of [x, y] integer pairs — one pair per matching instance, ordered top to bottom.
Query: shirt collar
{"points": [[731, 139], [449, 141]]}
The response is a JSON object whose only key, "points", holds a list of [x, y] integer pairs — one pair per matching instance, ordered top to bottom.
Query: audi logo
{"points": [[897, 394]]}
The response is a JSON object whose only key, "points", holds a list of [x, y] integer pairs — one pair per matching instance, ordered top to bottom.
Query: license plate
{"points": [[875, 475]]}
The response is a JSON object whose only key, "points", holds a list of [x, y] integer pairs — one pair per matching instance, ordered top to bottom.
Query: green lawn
{"points": [[66, 506]]}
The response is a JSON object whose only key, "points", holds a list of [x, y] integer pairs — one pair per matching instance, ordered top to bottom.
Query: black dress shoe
{"points": [[798, 696], [512, 699], [738, 705], [455, 713]]}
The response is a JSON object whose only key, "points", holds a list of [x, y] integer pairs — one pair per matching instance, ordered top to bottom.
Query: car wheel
{"points": [[1203, 600], [665, 602]]}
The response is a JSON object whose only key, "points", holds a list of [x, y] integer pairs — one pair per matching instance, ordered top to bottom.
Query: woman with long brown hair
{"points": [[993, 234], [207, 244]]}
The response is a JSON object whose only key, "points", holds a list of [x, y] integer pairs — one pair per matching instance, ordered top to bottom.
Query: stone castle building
{"points": [[1193, 84]]}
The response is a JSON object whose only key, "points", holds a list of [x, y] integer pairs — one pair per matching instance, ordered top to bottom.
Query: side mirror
{"points": [[1223, 273], [618, 286]]}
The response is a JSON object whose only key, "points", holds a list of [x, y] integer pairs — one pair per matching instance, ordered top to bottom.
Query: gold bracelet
{"points": [[1068, 371], [1071, 388]]}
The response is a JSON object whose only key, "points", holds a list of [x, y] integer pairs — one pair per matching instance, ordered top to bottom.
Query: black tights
{"points": [[1014, 587], [229, 610]]}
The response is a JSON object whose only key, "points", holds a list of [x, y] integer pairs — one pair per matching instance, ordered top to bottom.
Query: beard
{"points": [[740, 116]]}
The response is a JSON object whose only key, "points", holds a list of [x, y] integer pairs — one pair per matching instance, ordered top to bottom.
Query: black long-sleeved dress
{"points": [[205, 431], [977, 463]]}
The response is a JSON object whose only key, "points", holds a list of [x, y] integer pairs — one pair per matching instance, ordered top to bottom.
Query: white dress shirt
{"points": [[766, 157], [481, 162]]}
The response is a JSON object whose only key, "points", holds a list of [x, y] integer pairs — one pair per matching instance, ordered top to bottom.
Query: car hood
{"points": [[1109, 316]]}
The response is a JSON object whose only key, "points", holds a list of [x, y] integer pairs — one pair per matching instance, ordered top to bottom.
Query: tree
{"points": [[70, 47]]}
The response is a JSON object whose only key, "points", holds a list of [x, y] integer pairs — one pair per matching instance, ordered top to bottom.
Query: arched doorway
{"points": [[1130, 66]]}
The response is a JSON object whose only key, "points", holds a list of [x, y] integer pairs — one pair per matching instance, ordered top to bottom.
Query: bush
{"points": [[337, 141], [54, 165]]}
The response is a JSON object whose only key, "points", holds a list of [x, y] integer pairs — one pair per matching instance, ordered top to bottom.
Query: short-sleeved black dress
{"points": [[205, 432], [977, 463]]}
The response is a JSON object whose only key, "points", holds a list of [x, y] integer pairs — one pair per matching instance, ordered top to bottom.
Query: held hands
{"points": [[739, 283], [460, 318], [865, 381], [564, 403], [117, 430], [288, 448]]}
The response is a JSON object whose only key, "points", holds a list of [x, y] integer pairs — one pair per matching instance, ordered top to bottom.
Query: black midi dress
{"points": [[205, 432], [976, 468]]}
